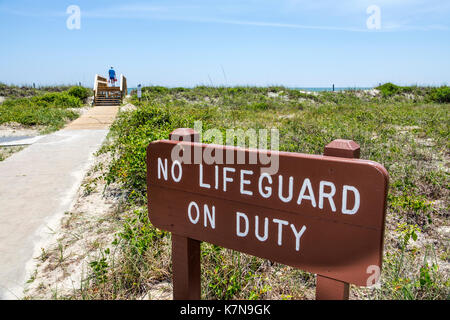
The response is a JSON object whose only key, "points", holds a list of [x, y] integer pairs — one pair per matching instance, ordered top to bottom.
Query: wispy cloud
{"points": [[206, 13], [202, 14], [279, 25]]}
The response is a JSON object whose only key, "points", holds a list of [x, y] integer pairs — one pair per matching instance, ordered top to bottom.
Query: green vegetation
{"points": [[389, 89], [11, 91], [79, 92], [429, 94], [441, 95], [61, 100], [50, 110], [409, 136]]}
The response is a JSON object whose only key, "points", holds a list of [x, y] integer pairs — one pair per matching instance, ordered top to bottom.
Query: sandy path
{"points": [[38, 185]]}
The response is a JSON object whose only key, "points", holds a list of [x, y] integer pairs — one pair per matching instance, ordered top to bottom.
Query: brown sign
{"points": [[321, 214]]}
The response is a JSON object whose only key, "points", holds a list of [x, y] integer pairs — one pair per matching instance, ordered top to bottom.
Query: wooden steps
{"points": [[109, 96], [101, 100]]}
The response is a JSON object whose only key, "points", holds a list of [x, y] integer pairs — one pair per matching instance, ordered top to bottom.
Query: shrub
{"points": [[155, 89], [389, 89], [79, 92], [440, 95], [59, 100], [49, 110], [27, 112], [136, 131]]}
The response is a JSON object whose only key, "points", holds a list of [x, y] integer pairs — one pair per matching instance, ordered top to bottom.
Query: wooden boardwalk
{"points": [[104, 95], [99, 117]]}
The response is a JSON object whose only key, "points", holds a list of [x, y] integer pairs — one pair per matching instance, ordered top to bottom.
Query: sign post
{"points": [[139, 92], [322, 214], [185, 251], [327, 288]]}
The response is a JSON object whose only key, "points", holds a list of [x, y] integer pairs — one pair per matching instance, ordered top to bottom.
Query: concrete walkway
{"points": [[37, 185]]}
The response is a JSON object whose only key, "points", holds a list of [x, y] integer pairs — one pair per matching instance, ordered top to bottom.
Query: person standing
{"points": [[112, 77]]}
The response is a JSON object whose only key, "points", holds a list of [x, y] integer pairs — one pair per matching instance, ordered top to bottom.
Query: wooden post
{"points": [[342, 148], [185, 251], [327, 288], [331, 289]]}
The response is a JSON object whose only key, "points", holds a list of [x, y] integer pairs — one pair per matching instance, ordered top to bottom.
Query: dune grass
{"points": [[24, 91], [49, 110], [408, 134]]}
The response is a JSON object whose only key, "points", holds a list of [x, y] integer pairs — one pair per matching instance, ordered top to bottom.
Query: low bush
{"points": [[155, 89], [389, 89], [13, 91], [79, 92], [430, 94], [440, 95], [58, 100], [50, 110], [29, 113], [136, 131]]}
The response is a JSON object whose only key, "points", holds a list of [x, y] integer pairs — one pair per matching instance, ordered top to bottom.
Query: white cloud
{"points": [[397, 15]]}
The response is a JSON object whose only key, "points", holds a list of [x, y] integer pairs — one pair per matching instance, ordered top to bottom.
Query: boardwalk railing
{"points": [[123, 85], [104, 95]]}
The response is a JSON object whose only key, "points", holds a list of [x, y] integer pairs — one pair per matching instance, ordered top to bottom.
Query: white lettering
{"points": [[162, 168], [180, 171], [216, 171], [225, 178], [243, 181], [202, 184], [307, 184], [280, 189], [268, 190], [355, 191], [329, 195], [193, 204], [240, 215], [209, 216], [266, 229], [280, 229], [298, 235]]}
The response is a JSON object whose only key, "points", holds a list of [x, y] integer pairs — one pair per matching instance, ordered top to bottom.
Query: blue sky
{"points": [[294, 43]]}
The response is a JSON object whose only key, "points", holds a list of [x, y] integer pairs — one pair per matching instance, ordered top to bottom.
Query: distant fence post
{"points": [[185, 251], [327, 288]]}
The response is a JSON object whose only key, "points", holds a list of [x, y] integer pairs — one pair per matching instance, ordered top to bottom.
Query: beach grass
{"points": [[50, 108], [406, 131]]}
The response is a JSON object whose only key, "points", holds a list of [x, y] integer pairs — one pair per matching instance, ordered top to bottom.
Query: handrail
{"points": [[98, 83], [95, 85], [123, 85]]}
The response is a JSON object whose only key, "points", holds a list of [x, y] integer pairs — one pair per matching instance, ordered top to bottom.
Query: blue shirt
{"points": [[112, 74]]}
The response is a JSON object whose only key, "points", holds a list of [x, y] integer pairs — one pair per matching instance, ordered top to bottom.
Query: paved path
{"points": [[37, 185]]}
